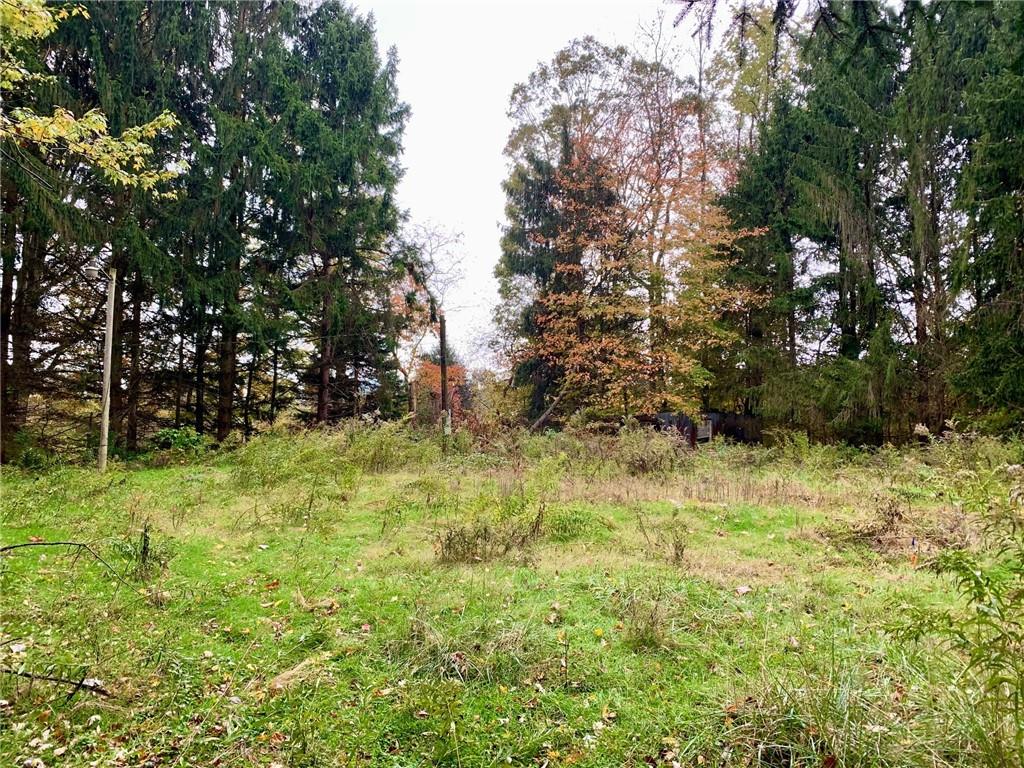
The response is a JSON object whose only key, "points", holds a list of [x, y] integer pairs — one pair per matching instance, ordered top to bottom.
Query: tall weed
{"points": [[988, 629]]}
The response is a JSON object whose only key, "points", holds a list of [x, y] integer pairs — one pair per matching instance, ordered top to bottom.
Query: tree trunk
{"points": [[7, 256], [846, 310], [202, 340], [135, 367], [227, 367], [180, 375], [18, 383], [273, 386], [323, 392], [247, 405], [117, 409], [542, 419]]}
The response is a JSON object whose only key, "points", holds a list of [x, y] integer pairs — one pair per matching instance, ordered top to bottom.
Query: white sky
{"points": [[458, 62]]}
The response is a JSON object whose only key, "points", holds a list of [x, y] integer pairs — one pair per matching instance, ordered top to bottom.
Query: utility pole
{"points": [[93, 271], [108, 346], [444, 366], [446, 414]]}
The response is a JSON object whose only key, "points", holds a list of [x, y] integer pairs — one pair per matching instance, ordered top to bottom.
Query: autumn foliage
{"points": [[634, 296], [426, 386]]}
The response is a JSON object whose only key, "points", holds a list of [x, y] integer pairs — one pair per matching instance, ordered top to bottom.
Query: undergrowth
{"points": [[367, 595]]}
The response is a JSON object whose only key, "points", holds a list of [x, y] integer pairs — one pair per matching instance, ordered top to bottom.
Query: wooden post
{"points": [[108, 343], [445, 404], [446, 414]]}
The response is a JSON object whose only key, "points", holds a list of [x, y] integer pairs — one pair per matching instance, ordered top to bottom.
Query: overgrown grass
{"points": [[356, 597]]}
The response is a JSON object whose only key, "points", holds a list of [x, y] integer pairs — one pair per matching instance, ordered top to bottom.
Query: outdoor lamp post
{"points": [[93, 271]]}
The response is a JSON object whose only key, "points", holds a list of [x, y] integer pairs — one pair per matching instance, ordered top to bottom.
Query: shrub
{"points": [[183, 439], [387, 446], [643, 451], [27, 453], [317, 459], [499, 524], [485, 539], [668, 539], [146, 555], [646, 617], [989, 633], [478, 649], [840, 716]]}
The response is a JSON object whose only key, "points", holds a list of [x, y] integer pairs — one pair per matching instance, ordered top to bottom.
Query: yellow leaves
{"points": [[27, 20], [24, 21], [123, 160]]}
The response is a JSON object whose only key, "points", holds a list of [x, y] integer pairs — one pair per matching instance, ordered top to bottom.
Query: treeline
{"points": [[824, 225], [266, 271]]}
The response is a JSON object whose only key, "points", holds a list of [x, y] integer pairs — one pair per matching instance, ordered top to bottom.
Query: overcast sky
{"points": [[458, 63]]}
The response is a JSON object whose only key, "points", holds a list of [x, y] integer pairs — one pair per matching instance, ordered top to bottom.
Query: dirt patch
{"points": [[727, 569]]}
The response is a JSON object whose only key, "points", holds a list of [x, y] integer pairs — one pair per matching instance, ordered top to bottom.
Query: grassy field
{"points": [[356, 598]]}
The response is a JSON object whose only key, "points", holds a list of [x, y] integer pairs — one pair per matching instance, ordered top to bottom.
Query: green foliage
{"points": [[894, 123], [276, 129], [991, 264], [183, 439], [388, 447], [643, 451], [25, 452], [273, 460], [571, 522], [144, 553], [533, 601], [646, 617], [988, 630], [836, 714]]}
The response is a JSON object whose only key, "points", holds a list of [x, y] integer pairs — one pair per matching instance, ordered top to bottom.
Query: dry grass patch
{"points": [[897, 528]]}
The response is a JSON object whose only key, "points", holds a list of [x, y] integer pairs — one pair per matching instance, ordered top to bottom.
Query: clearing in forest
{"points": [[356, 598]]}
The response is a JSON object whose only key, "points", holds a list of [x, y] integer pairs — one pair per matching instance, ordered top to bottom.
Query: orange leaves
{"points": [[639, 293], [635, 295], [427, 381]]}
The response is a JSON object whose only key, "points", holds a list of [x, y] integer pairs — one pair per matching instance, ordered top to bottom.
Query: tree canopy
{"points": [[821, 227]]}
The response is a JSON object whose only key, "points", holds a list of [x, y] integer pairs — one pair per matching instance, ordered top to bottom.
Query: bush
{"points": [[183, 439], [387, 446], [643, 451], [28, 454], [311, 457], [483, 539], [646, 618], [989, 632], [841, 716]]}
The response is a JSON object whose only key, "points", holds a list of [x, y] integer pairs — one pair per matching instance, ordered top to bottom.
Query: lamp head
{"points": [[92, 270]]}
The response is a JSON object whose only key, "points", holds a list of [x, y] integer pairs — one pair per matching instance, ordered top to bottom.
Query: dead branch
{"points": [[544, 416], [81, 547], [85, 684]]}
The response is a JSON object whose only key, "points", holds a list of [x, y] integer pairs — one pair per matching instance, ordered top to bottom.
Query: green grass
{"points": [[302, 604]]}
